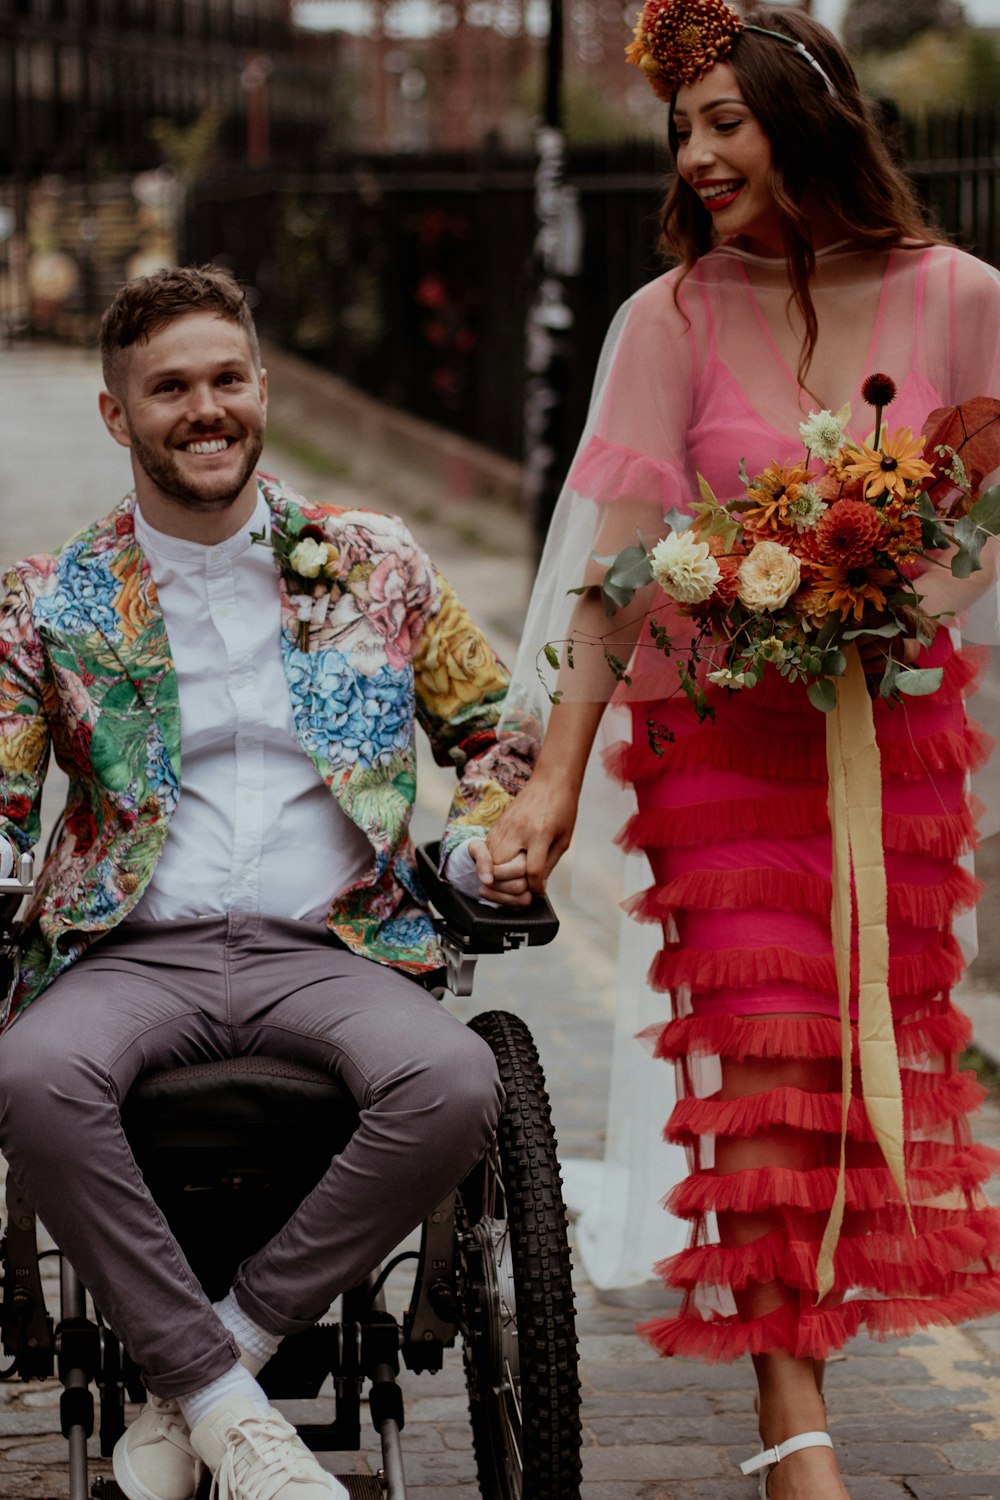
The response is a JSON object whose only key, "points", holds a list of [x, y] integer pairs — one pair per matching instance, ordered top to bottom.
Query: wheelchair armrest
{"points": [[474, 928]]}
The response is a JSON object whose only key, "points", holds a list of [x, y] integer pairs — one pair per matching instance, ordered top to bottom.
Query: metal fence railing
{"points": [[410, 276]]}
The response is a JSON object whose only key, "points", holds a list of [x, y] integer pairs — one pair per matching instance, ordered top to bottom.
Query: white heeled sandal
{"points": [[766, 1460]]}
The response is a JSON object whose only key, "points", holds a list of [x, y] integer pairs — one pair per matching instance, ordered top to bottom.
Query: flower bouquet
{"points": [[817, 553]]}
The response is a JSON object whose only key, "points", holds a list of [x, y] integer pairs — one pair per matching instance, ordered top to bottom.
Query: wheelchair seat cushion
{"points": [[204, 1103]]}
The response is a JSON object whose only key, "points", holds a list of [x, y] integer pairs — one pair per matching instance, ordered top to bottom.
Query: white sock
{"points": [[256, 1344], [238, 1381]]}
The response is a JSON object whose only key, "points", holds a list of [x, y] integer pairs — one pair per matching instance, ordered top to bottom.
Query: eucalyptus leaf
{"points": [[986, 511], [677, 520], [972, 531], [629, 571], [893, 627], [826, 634], [551, 655], [835, 662], [918, 682], [887, 685], [822, 695]]}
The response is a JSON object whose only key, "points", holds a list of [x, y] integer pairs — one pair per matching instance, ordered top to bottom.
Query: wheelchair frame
{"points": [[493, 1267]]}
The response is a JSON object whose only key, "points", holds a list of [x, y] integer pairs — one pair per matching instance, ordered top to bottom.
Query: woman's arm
{"points": [[540, 820]]}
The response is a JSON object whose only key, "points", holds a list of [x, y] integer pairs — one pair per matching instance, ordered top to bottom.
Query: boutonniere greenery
{"points": [[308, 563]]}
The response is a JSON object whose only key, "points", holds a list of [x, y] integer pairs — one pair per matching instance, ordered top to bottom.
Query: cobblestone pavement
{"points": [[920, 1419]]}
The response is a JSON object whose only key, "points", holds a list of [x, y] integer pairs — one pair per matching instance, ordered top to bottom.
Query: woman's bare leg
{"points": [[790, 1397]]}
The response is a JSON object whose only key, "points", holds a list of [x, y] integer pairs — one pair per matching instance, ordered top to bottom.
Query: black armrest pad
{"points": [[477, 928]]}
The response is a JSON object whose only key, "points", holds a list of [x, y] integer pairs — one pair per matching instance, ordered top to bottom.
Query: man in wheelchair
{"points": [[229, 676]]}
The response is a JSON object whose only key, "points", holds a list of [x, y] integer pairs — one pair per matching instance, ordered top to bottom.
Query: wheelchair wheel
{"points": [[516, 1295]]}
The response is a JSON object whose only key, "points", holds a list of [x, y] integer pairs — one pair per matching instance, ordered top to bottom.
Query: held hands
{"points": [[531, 835], [504, 882]]}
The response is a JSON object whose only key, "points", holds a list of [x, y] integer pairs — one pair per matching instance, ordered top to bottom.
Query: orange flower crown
{"points": [[678, 41]]}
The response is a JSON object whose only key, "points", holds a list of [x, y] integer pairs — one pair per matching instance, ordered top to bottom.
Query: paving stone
{"points": [[621, 1349], [664, 1375], [47, 1396], [930, 1398], [670, 1406], [24, 1423], [940, 1426], [668, 1430], [47, 1452], [892, 1457], [978, 1457], [653, 1461], [440, 1468], [956, 1487]]}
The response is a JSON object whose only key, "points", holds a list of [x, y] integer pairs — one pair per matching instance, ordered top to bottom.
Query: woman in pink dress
{"points": [[804, 266]]}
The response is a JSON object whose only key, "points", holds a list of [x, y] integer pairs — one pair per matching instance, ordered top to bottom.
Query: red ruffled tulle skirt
{"points": [[732, 816]]}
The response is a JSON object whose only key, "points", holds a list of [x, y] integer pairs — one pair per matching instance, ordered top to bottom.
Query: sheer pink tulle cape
{"points": [[732, 818]]}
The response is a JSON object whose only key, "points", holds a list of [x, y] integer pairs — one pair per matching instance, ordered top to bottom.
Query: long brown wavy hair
{"points": [[824, 148]]}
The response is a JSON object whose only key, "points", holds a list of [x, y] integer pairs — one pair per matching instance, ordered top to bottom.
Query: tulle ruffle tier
{"points": [[732, 818]]}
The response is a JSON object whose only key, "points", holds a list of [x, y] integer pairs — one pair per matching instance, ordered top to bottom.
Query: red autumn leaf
{"points": [[973, 431]]}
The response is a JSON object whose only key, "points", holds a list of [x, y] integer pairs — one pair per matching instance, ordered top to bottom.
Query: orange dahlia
{"points": [[888, 470], [848, 533]]}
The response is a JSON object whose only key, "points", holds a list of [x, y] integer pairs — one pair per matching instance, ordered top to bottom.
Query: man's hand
{"points": [[535, 830], [504, 882]]}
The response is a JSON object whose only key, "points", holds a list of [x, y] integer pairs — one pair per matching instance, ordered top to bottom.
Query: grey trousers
{"points": [[171, 993]]}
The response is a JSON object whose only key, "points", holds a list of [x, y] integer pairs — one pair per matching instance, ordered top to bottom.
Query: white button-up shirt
{"points": [[255, 828]]}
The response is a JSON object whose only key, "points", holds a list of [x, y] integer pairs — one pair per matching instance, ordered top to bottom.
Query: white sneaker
{"points": [[257, 1455], [153, 1458]]}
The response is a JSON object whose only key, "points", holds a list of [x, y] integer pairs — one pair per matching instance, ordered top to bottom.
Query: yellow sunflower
{"points": [[888, 470]]}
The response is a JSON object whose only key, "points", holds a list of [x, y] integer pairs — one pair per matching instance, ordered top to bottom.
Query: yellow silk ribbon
{"points": [[855, 801]]}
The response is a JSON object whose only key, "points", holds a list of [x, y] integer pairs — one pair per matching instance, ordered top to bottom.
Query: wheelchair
{"points": [[230, 1148]]}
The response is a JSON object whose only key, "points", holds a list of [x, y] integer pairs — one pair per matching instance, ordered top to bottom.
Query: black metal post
{"points": [[548, 335]]}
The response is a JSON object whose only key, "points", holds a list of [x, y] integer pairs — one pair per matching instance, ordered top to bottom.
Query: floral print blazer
{"points": [[85, 668]]}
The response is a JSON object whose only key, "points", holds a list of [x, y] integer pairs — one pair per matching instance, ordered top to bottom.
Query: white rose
{"points": [[309, 557], [685, 569], [768, 576]]}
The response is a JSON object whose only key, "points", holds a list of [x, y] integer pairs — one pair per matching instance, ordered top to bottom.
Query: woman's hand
{"points": [[534, 832]]}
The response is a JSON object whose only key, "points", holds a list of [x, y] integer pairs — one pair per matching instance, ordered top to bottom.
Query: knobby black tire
{"points": [[547, 1448]]}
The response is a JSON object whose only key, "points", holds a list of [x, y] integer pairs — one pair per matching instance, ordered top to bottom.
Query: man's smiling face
{"points": [[191, 409]]}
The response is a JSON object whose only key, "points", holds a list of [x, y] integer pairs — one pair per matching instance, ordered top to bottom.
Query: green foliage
{"points": [[186, 148]]}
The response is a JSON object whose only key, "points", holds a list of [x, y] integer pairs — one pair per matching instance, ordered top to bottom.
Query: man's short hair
{"points": [[145, 303]]}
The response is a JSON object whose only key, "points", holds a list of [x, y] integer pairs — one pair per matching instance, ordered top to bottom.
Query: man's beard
{"points": [[163, 470]]}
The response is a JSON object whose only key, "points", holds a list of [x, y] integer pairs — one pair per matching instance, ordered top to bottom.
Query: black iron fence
{"points": [[410, 275]]}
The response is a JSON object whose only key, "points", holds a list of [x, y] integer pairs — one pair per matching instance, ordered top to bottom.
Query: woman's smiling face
{"points": [[724, 156]]}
